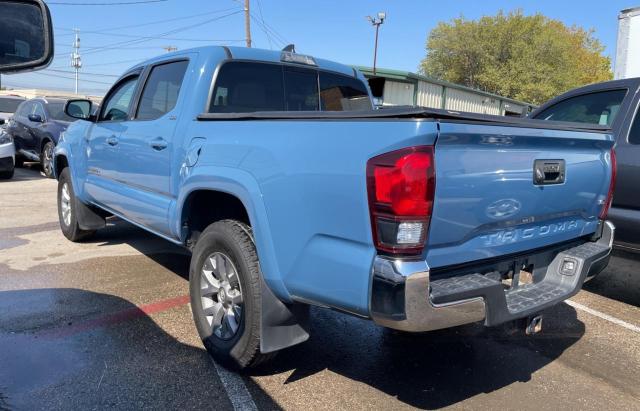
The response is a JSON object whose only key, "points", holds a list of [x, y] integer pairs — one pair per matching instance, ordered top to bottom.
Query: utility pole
{"points": [[376, 21], [247, 22], [76, 61]]}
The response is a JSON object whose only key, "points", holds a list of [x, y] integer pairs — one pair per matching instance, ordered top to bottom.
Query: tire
{"points": [[46, 159], [19, 162], [6, 175], [67, 210], [227, 246]]}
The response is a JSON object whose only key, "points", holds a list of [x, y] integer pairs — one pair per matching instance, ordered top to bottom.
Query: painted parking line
{"points": [[604, 316], [115, 318]]}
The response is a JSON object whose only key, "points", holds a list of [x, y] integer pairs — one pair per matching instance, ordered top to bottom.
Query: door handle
{"points": [[112, 141], [158, 143]]}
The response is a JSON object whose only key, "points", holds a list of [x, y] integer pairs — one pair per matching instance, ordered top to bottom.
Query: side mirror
{"points": [[26, 35], [79, 108], [35, 118]]}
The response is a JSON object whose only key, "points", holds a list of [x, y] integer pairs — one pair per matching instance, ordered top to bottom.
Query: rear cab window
{"points": [[244, 87], [600, 108]]}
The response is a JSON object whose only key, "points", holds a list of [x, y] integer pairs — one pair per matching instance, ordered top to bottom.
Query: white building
{"points": [[628, 47], [395, 87]]}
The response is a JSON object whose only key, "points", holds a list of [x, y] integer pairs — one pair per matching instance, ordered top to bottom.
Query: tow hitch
{"points": [[534, 325]]}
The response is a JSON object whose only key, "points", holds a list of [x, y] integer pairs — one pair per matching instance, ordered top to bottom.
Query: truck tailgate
{"points": [[487, 203]]}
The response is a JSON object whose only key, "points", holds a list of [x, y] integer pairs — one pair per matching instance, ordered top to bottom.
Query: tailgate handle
{"points": [[547, 172]]}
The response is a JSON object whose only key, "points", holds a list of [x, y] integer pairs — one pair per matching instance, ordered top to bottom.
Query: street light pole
{"points": [[376, 21]]}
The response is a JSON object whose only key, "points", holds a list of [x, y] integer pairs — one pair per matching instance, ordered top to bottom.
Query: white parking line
{"points": [[604, 316], [236, 390]]}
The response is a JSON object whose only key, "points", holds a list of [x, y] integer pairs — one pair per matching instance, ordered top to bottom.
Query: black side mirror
{"points": [[26, 35], [79, 108], [36, 118]]}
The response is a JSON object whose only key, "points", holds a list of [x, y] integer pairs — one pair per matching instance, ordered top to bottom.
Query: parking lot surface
{"points": [[106, 324]]}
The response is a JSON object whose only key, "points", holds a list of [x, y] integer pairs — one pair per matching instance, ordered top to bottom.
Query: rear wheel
{"points": [[46, 159], [67, 210], [224, 281]]}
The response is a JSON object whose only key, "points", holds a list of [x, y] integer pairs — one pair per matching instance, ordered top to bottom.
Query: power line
{"points": [[121, 3], [157, 21], [263, 29], [158, 36], [84, 73], [70, 78]]}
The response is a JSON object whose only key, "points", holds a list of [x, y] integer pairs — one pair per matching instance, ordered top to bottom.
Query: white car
{"points": [[7, 155]]}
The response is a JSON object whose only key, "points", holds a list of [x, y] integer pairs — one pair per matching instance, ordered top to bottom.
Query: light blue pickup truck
{"points": [[290, 190]]}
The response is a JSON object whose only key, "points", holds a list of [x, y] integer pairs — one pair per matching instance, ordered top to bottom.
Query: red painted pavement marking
{"points": [[117, 317]]}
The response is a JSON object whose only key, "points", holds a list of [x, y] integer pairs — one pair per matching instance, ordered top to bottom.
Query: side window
{"points": [[243, 87], [301, 89], [161, 90], [342, 93], [116, 106], [594, 108], [25, 109], [39, 111], [634, 133]]}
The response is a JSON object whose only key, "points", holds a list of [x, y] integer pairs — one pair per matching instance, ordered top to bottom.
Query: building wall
{"points": [[397, 93], [429, 95], [460, 100]]}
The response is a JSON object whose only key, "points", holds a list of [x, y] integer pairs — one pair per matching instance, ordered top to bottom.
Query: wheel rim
{"points": [[48, 154], [65, 204], [221, 295]]}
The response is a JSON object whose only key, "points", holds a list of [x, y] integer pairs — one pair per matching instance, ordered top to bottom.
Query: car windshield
{"points": [[9, 105], [56, 111]]}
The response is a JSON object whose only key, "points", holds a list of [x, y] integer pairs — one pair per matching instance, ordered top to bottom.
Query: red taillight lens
{"points": [[401, 186], [612, 187]]}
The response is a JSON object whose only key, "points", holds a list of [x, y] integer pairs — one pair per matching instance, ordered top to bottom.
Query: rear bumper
{"points": [[404, 297]]}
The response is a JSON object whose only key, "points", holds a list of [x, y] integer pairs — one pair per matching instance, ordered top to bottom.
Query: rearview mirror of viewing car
{"points": [[26, 35]]}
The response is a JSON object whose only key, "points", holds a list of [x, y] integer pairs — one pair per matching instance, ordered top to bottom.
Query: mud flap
{"points": [[88, 219], [282, 325]]}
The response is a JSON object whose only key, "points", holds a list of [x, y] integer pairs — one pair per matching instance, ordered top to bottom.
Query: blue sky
{"points": [[331, 29]]}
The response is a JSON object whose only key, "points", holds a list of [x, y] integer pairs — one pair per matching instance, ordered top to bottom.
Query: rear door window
{"points": [[161, 90], [594, 108]]}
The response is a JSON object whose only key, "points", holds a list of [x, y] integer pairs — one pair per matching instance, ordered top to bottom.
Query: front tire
{"points": [[46, 159], [7, 174], [67, 214], [224, 284]]}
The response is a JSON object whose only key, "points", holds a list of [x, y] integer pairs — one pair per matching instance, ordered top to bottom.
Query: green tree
{"points": [[529, 58]]}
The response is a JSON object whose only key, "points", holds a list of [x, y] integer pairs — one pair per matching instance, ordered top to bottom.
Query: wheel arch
{"points": [[239, 188]]}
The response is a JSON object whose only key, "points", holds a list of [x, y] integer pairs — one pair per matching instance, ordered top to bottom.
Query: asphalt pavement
{"points": [[106, 324]]}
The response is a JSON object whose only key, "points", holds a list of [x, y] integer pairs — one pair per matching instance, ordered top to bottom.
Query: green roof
{"points": [[413, 77]]}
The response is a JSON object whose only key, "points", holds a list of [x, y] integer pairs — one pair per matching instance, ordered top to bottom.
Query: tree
{"points": [[528, 58]]}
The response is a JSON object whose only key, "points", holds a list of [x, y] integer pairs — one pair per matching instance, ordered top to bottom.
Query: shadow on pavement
{"points": [[620, 280], [62, 349], [430, 370]]}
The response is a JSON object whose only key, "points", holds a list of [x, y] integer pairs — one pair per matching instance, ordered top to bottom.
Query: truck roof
{"points": [[250, 54]]}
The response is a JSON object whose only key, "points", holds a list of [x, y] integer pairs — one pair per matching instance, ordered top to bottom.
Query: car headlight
{"points": [[5, 138]]}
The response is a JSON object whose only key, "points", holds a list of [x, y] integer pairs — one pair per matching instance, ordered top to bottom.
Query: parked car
{"points": [[614, 105], [8, 106], [35, 128], [7, 155], [290, 191]]}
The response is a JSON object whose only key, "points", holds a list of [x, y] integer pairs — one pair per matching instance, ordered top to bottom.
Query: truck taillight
{"points": [[612, 186], [401, 187]]}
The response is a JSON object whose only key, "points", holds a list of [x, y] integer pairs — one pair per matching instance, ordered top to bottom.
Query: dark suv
{"points": [[36, 127]]}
